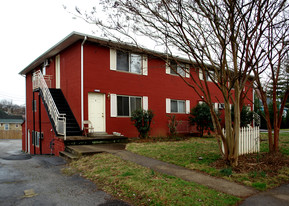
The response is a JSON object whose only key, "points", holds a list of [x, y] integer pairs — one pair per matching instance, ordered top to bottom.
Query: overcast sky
{"points": [[28, 29]]}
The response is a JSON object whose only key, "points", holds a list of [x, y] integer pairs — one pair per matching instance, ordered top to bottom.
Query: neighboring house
{"points": [[102, 81], [10, 126]]}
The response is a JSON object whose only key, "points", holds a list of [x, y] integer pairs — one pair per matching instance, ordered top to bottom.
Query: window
{"points": [[129, 62], [175, 68], [206, 76], [127, 104], [177, 106], [221, 106], [16, 125], [6, 126], [36, 138]]}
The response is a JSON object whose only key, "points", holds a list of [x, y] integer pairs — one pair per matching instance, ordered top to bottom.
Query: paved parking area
{"points": [[42, 177]]}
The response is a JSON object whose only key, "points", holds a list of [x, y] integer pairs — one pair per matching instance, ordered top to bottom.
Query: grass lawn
{"points": [[202, 154], [142, 186]]}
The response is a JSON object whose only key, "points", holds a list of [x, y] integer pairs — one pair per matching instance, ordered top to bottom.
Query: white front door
{"points": [[96, 111]]}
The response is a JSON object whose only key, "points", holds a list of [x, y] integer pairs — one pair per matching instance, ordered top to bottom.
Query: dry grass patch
{"points": [[143, 186]]}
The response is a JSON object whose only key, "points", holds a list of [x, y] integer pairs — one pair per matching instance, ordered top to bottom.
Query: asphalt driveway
{"points": [[37, 180]]}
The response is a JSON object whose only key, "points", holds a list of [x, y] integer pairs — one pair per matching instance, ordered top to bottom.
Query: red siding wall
{"points": [[157, 86]]}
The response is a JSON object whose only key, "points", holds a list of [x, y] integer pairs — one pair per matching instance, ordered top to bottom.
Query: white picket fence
{"points": [[249, 140]]}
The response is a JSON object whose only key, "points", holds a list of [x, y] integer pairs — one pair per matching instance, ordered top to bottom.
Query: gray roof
{"points": [[76, 36], [8, 121]]}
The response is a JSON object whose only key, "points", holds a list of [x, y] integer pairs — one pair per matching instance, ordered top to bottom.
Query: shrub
{"points": [[201, 116], [142, 121], [173, 123]]}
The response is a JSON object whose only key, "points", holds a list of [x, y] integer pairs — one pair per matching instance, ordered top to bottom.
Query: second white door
{"points": [[96, 111]]}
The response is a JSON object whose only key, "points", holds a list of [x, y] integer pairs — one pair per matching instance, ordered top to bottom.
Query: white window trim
{"points": [[112, 59], [144, 64], [201, 75], [145, 103], [113, 105], [168, 105], [188, 106], [216, 106]]}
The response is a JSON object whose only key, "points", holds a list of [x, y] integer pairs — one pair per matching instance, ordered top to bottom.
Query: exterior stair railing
{"points": [[39, 81]]}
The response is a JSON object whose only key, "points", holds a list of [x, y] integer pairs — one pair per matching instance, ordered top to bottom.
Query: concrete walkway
{"points": [[186, 174], [277, 196]]}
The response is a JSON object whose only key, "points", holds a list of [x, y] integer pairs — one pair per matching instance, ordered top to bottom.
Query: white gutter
{"points": [[81, 82], [27, 146]]}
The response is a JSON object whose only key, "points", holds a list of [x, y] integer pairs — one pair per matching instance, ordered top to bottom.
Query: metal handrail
{"points": [[58, 119]]}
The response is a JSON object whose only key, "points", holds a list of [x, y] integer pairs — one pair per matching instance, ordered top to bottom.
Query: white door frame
{"points": [[103, 111]]}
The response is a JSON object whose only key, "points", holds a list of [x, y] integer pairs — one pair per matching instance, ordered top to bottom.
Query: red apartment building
{"points": [[87, 78]]}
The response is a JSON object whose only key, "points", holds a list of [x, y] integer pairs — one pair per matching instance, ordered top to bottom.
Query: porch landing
{"points": [[76, 146]]}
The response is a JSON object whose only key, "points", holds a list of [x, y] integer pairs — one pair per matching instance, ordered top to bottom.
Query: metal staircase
{"points": [[59, 112], [72, 127]]}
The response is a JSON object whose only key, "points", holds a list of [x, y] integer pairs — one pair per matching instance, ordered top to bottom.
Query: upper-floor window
{"points": [[128, 62], [175, 68], [208, 75], [6, 126]]}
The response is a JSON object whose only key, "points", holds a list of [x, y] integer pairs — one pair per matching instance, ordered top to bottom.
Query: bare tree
{"points": [[224, 40], [276, 50]]}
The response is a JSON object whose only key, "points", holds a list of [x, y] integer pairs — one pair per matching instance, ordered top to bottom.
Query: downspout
{"points": [[81, 81], [33, 133], [26, 135], [40, 139]]}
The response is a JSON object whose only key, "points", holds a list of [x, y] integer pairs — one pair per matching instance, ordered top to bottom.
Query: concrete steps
{"points": [[77, 146], [68, 155]]}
